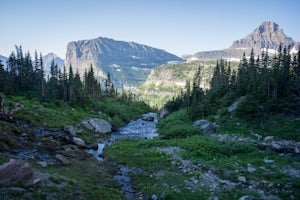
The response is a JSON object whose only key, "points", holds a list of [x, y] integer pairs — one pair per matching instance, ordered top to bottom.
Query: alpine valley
{"points": [[166, 82], [228, 128]]}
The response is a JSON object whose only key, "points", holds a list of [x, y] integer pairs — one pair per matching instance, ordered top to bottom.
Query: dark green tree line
{"points": [[25, 77], [271, 85]]}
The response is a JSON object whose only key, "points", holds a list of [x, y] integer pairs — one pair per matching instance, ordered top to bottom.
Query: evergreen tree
{"points": [[71, 86], [109, 86], [78, 89]]}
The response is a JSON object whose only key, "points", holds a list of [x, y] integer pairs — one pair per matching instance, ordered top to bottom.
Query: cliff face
{"points": [[128, 62]]}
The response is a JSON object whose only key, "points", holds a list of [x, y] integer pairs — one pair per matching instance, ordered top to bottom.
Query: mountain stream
{"points": [[142, 128]]}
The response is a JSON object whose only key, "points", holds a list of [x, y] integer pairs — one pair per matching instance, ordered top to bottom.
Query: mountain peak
{"points": [[268, 26], [267, 35], [128, 63]]}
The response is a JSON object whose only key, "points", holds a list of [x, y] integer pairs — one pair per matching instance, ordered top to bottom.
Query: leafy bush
{"points": [[177, 125]]}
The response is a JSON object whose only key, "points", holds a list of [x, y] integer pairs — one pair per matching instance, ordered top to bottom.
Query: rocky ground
{"points": [[43, 163]]}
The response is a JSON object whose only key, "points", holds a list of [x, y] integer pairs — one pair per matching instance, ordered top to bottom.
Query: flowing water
{"points": [[142, 128]]}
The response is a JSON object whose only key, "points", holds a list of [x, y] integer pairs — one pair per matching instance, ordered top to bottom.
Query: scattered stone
{"points": [[148, 118], [98, 125], [206, 126], [71, 130], [269, 139], [78, 141], [297, 148], [62, 159], [268, 160], [43, 164], [251, 169], [14, 172], [227, 174], [242, 179], [163, 195], [154, 197], [247, 197], [213, 198]]}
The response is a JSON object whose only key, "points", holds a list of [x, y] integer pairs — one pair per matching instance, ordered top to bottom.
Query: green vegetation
{"points": [[26, 77], [167, 81], [270, 87], [270, 107], [58, 114], [177, 125], [185, 164], [162, 172], [84, 177]]}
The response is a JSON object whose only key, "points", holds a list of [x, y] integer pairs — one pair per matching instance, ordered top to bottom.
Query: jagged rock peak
{"points": [[268, 26], [267, 35]]}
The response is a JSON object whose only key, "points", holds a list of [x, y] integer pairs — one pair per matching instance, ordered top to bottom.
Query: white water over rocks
{"points": [[142, 128], [139, 129]]}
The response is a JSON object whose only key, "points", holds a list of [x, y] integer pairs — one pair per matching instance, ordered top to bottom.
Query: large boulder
{"points": [[98, 125], [206, 126], [15, 172]]}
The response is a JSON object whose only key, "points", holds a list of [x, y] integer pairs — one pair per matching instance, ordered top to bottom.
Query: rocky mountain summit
{"points": [[267, 36], [47, 59], [127, 62]]}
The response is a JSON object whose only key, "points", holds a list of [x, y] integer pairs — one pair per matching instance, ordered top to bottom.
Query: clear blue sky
{"points": [[180, 27]]}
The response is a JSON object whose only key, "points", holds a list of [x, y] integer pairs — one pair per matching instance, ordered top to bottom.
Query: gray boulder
{"points": [[87, 125], [98, 125], [206, 126], [71, 130], [269, 139], [78, 141], [62, 159]]}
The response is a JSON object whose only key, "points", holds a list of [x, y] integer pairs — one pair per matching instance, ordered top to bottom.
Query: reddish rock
{"points": [[15, 171]]}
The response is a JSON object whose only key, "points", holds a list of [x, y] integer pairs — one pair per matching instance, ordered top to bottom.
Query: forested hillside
{"points": [[270, 85]]}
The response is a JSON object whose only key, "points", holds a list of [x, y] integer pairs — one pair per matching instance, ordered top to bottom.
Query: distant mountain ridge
{"points": [[267, 36], [3, 59], [47, 60], [128, 63]]}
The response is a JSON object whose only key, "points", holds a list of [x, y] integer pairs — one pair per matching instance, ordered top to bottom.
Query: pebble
{"points": [[268, 160], [43, 163], [251, 169], [242, 179], [154, 197]]}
